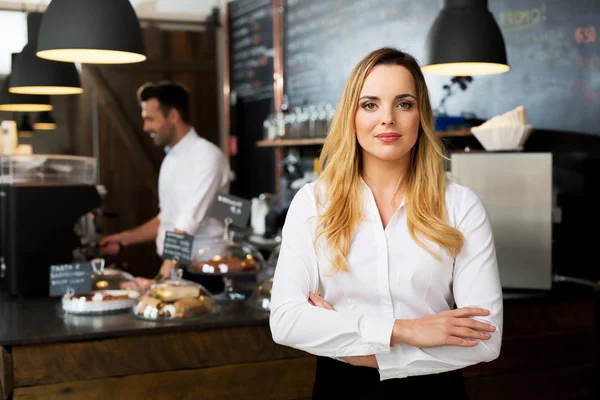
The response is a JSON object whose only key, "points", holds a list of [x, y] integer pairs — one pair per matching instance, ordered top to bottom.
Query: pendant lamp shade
{"points": [[91, 31], [465, 40], [34, 75], [22, 102], [44, 122], [25, 129]]}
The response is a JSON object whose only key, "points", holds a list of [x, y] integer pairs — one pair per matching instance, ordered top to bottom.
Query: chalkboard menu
{"points": [[324, 39], [251, 46], [552, 48], [70, 278]]}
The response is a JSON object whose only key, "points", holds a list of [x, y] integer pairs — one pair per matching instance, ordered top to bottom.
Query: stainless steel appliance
{"points": [[516, 189]]}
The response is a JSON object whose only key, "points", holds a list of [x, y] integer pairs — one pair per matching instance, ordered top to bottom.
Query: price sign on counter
{"points": [[228, 206], [178, 247], [70, 278]]}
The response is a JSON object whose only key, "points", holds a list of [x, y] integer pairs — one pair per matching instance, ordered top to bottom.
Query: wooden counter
{"points": [[548, 352]]}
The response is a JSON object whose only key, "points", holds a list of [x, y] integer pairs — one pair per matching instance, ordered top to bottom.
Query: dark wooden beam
{"points": [[168, 66], [65, 362], [5, 374], [281, 379]]}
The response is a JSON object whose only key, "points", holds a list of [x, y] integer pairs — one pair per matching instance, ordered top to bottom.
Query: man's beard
{"points": [[163, 140]]}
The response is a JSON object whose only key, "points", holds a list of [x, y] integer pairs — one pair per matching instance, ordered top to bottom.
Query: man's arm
{"points": [[147, 232], [142, 234]]}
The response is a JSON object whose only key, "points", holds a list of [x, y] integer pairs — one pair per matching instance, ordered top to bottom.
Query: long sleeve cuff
{"points": [[378, 331], [392, 364]]}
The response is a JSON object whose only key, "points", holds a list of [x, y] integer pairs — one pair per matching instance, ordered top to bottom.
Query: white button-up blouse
{"points": [[389, 277]]}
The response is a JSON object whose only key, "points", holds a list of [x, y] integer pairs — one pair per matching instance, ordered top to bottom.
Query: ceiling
{"points": [[176, 10]]}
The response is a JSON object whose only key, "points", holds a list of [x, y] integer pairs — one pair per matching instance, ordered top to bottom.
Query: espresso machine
{"points": [[46, 206]]}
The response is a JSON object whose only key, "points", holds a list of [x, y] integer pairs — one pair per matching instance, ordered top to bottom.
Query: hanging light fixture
{"points": [[91, 31], [465, 40], [34, 75], [22, 102], [44, 122], [25, 129]]}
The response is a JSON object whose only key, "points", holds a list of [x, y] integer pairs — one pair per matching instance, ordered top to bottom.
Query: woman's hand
{"points": [[316, 300], [452, 327], [358, 361]]}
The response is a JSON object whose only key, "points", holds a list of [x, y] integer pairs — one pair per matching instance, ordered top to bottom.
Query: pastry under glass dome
{"points": [[237, 262], [112, 291], [175, 299]]}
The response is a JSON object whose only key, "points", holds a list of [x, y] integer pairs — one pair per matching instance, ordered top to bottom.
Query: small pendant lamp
{"points": [[34, 75], [22, 102], [44, 122]]}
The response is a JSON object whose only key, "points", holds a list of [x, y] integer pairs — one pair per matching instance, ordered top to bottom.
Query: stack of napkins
{"points": [[505, 132]]}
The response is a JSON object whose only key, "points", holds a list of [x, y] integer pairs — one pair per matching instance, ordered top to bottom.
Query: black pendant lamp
{"points": [[91, 31], [465, 40], [34, 75], [22, 102], [44, 122], [25, 129]]}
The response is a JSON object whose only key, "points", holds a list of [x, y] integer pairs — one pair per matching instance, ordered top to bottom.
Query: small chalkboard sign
{"points": [[228, 206], [178, 247], [70, 278]]}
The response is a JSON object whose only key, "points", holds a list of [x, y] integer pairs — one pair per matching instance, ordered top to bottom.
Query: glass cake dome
{"points": [[238, 263], [112, 290], [261, 297], [175, 299]]}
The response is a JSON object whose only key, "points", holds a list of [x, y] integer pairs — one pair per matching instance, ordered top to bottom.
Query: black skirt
{"points": [[339, 380]]}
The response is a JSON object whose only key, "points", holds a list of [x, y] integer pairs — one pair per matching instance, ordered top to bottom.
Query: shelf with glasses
{"points": [[454, 133], [320, 141], [291, 142]]}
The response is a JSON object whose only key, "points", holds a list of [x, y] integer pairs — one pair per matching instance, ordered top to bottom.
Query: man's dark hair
{"points": [[169, 95]]}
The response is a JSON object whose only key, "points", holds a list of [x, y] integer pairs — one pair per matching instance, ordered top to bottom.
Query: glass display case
{"points": [[47, 169]]}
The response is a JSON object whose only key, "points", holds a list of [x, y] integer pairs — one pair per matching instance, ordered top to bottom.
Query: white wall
{"points": [[13, 37]]}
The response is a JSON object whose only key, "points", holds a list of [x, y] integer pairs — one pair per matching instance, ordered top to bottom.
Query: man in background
{"points": [[191, 174]]}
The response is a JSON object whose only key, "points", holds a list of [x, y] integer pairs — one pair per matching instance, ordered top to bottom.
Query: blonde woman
{"points": [[387, 272]]}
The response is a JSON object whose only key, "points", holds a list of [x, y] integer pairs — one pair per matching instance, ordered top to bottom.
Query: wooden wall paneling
{"points": [[155, 40], [123, 91], [72, 127], [127, 133], [84, 144], [527, 318], [539, 351], [131, 355], [5, 374], [289, 379], [568, 382]]}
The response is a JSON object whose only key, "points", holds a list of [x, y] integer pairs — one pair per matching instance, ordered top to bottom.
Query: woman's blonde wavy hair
{"points": [[424, 184]]}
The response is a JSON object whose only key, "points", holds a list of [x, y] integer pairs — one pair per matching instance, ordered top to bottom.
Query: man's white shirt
{"points": [[192, 173]]}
